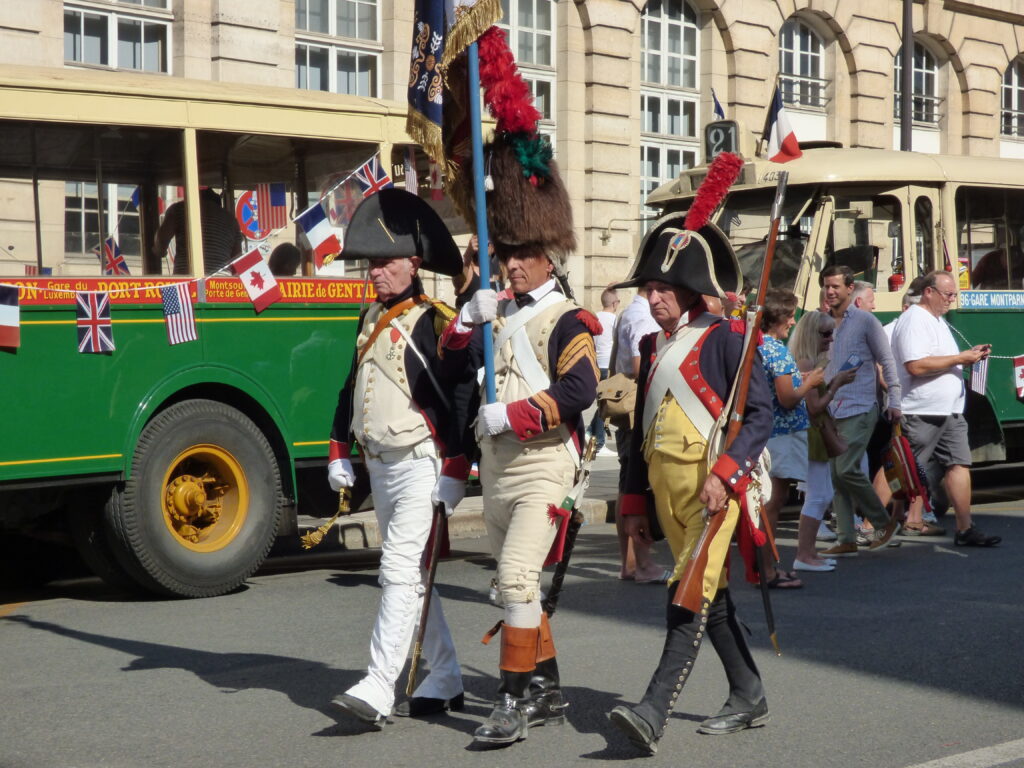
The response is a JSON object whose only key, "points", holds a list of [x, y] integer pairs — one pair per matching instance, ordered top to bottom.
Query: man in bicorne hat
{"points": [[686, 376], [393, 406], [530, 438]]}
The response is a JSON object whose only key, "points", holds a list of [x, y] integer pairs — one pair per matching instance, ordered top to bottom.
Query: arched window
{"points": [[801, 66], [926, 81], [669, 99], [1013, 100]]}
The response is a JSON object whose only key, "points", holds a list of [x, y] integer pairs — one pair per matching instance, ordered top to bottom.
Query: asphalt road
{"points": [[905, 657]]}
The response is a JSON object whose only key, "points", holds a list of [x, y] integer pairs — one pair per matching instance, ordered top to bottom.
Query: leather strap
{"points": [[385, 321]]}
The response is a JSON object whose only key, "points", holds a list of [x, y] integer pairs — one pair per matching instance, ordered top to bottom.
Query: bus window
{"points": [[79, 196], [745, 219], [989, 229], [923, 235], [866, 237]]}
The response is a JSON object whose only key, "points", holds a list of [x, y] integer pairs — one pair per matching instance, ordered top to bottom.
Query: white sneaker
{"points": [[607, 452], [825, 533]]}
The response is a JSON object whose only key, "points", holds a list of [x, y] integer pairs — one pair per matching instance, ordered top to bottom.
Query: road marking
{"points": [[947, 551], [10, 608], [986, 757]]}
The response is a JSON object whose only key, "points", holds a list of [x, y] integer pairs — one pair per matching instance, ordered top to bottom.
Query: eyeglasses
{"points": [[947, 295], [826, 334]]}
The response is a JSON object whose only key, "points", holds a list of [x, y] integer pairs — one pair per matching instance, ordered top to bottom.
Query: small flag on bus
{"points": [[778, 135], [372, 177], [271, 206], [318, 233], [112, 261], [33, 270], [259, 283], [92, 313], [178, 313], [10, 317]]}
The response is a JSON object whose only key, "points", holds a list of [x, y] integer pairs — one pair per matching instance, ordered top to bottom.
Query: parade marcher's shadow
{"points": [[308, 684]]}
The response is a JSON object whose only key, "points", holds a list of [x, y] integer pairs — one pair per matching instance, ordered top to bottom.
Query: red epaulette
{"points": [[589, 319], [739, 325]]}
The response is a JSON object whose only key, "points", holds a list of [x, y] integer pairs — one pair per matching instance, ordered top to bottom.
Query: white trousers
{"points": [[818, 492], [401, 496]]}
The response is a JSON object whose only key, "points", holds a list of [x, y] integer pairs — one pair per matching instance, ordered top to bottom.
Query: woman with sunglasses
{"points": [[810, 344]]}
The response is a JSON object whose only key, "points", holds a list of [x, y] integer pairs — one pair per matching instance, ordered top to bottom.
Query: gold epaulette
{"points": [[444, 315]]}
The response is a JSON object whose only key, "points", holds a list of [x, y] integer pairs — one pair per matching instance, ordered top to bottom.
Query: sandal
{"points": [[662, 578], [784, 580]]}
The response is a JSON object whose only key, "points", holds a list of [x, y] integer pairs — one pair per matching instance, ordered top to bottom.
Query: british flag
{"points": [[372, 177], [112, 260], [95, 333]]}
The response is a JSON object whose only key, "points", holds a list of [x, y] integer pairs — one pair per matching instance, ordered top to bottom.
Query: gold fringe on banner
{"points": [[470, 22]]}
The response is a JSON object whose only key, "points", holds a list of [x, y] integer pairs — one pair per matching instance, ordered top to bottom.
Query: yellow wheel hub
{"points": [[206, 498]]}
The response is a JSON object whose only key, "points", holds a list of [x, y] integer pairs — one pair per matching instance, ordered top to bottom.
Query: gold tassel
{"points": [[311, 539]]}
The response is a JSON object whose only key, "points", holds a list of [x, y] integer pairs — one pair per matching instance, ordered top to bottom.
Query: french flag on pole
{"points": [[782, 143], [318, 233]]}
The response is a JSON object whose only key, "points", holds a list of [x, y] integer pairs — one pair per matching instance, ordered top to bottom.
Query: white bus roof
{"points": [[834, 165]]}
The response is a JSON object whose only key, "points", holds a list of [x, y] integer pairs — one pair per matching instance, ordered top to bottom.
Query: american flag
{"points": [[372, 177], [271, 206], [112, 260], [35, 269], [178, 314], [95, 333]]}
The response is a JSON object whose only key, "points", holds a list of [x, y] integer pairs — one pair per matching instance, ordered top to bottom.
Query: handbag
{"points": [[616, 397], [835, 445]]}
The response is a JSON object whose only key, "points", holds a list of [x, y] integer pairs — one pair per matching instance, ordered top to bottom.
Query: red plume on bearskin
{"points": [[722, 173]]}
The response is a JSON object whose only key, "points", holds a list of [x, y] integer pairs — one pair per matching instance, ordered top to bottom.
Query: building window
{"points": [[530, 28], [120, 40], [326, 64], [800, 66], [925, 95], [669, 100], [1013, 100]]}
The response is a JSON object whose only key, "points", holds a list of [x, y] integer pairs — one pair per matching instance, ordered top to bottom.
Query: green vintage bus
{"points": [[891, 216], [171, 467]]}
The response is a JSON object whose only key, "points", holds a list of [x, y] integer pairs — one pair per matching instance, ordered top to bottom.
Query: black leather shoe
{"points": [[421, 706], [360, 710], [737, 721], [506, 724], [637, 730]]}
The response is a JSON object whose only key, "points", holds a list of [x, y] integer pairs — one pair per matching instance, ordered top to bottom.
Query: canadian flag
{"points": [[782, 143], [436, 182], [259, 283], [1018, 375]]}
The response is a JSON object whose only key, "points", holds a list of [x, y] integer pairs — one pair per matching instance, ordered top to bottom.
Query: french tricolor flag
{"points": [[782, 143], [318, 233]]}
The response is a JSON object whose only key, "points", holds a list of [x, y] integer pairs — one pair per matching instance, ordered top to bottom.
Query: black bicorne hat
{"points": [[393, 224], [702, 261]]}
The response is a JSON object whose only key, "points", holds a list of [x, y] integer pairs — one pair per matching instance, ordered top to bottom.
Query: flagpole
{"points": [[480, 198]]}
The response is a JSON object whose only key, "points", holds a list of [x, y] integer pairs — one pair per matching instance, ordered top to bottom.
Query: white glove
{"points": [[482, 308], [492, 420], [340, 474], [448, 491]]}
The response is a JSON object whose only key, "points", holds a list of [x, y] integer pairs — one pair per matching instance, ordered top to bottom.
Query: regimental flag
{"points": [[442, 29], [719, 112], [781, 141], [372, 177], [436, 181], [271, 206], [318, 233], [112, 261], [33, 270], [259, 283], [178, 313], [10, 317], [95, 333], [1018, 368]]}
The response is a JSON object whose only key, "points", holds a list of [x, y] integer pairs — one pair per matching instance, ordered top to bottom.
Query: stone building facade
{"points": [[625, 85]]}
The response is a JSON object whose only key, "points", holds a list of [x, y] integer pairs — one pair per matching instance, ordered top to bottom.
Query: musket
{"points": [[575, 522], [437, 530], [690, 592]]}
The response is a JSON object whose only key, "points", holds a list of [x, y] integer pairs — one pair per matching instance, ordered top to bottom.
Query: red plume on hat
{"points": [[722, 173], [527, 202]]}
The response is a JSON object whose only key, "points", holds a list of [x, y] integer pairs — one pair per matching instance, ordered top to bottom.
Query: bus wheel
{"points": [[200, 510], [89, 534]]}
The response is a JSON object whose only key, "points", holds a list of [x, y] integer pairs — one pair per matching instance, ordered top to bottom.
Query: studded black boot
{"points": [[545, 705], [746, 706], [507, 722], [645, 722]]}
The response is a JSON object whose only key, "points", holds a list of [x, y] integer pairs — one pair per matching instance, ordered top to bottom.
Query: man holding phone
{"points": [[859, 343], [931, 371]]}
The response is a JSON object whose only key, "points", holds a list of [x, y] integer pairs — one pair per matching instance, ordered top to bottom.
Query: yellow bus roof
{"points": [[128, 98], [833, 165]]}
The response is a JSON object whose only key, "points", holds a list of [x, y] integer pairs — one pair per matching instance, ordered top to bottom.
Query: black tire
{"points": [[88, 530], [151, 545]]}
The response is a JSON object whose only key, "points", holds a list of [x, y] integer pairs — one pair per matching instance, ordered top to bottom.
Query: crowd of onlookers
{"points": [[845, 391]]}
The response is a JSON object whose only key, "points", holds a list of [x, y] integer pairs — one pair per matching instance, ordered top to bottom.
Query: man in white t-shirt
{"points": [[603, 344], [930, 367]]}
